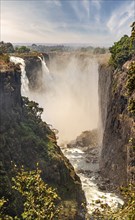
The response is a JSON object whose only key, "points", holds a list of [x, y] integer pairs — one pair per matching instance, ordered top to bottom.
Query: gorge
{"points": [[69, 95], [84, 99]]}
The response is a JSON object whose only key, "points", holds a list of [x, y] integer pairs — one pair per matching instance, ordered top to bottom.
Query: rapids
{"points": [[87, 170]]}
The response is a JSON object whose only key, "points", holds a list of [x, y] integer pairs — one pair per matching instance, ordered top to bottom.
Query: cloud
{"points": [[57, 3], [96, 4], [86, 6], [121, 18], [58, 21]]}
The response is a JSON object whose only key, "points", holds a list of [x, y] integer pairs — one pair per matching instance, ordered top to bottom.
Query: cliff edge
{"points": [[117, 105]]}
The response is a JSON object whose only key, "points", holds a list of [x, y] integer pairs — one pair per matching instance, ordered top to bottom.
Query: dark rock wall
{"points": [[34, 70], [10, 96], [118, 127]]}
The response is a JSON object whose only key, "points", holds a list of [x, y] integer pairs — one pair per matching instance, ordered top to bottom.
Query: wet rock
{"points": [[86, 139], [102, 187]]}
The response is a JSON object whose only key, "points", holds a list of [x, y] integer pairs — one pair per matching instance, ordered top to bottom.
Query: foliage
{"points": [[133, 36], [6, 47], [22, 49], [99, 50], [120, 52], [4, 58], [130, 84], [131, 106], [32, 108], [39, 199], [126, 212], [2, 215]]}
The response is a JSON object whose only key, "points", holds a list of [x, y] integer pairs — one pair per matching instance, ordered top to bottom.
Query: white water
{"points": [[44, 66], [24, 79], [77, 158]]}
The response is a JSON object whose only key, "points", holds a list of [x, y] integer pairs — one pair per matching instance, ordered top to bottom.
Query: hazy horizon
{"points": [[89, 22]]}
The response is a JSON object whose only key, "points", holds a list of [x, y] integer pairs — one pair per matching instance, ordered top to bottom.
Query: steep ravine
{"points": [[117, 126], [84, 158]]}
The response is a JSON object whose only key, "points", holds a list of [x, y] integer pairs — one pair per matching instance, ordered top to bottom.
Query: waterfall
{"points": [[44, 66], [46, 76], [24, 78], [70, 101]]}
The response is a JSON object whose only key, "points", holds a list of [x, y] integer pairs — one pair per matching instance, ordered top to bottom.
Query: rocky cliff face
{"points": [[34, 71], [10, 97], [26, 140], [118, 155]]}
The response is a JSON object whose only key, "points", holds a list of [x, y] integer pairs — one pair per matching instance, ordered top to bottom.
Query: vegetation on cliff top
{"points": [[123, 50]]}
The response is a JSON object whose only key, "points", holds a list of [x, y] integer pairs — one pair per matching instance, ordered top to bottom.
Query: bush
{"points": [[6, 47], [22, 49], [120, 52], [131, 106], [39, 199], [126, 212]]}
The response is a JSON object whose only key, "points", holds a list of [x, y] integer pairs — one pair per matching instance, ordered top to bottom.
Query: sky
{"points": [[92, 22]]}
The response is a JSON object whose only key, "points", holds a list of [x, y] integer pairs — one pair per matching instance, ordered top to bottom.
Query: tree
{"points": [[6, 47], [23, 49], [120, 52], [32, 109], [39, 199]]}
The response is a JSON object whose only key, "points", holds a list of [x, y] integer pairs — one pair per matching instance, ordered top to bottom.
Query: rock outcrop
{"points": [[34, 71], [10, 96], [118, 124], [26, 140]]}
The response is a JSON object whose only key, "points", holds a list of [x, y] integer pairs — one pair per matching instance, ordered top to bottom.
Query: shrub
{"points": [[22, 49], [120, 52], [131, 106], [39, 199], [126, 212]]}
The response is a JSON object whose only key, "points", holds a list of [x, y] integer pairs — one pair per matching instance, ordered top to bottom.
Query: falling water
{"points": [[44, 66], [24, 79], [70, 98], [70, 102]]}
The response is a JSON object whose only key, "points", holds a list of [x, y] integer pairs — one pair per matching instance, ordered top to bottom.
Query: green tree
{"points": [[6, 47], [22, 49], [120, 52], [32, 109], [39, 199]]}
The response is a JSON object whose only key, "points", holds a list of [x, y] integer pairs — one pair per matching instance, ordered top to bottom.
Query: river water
{"points": [[86, 165]]}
